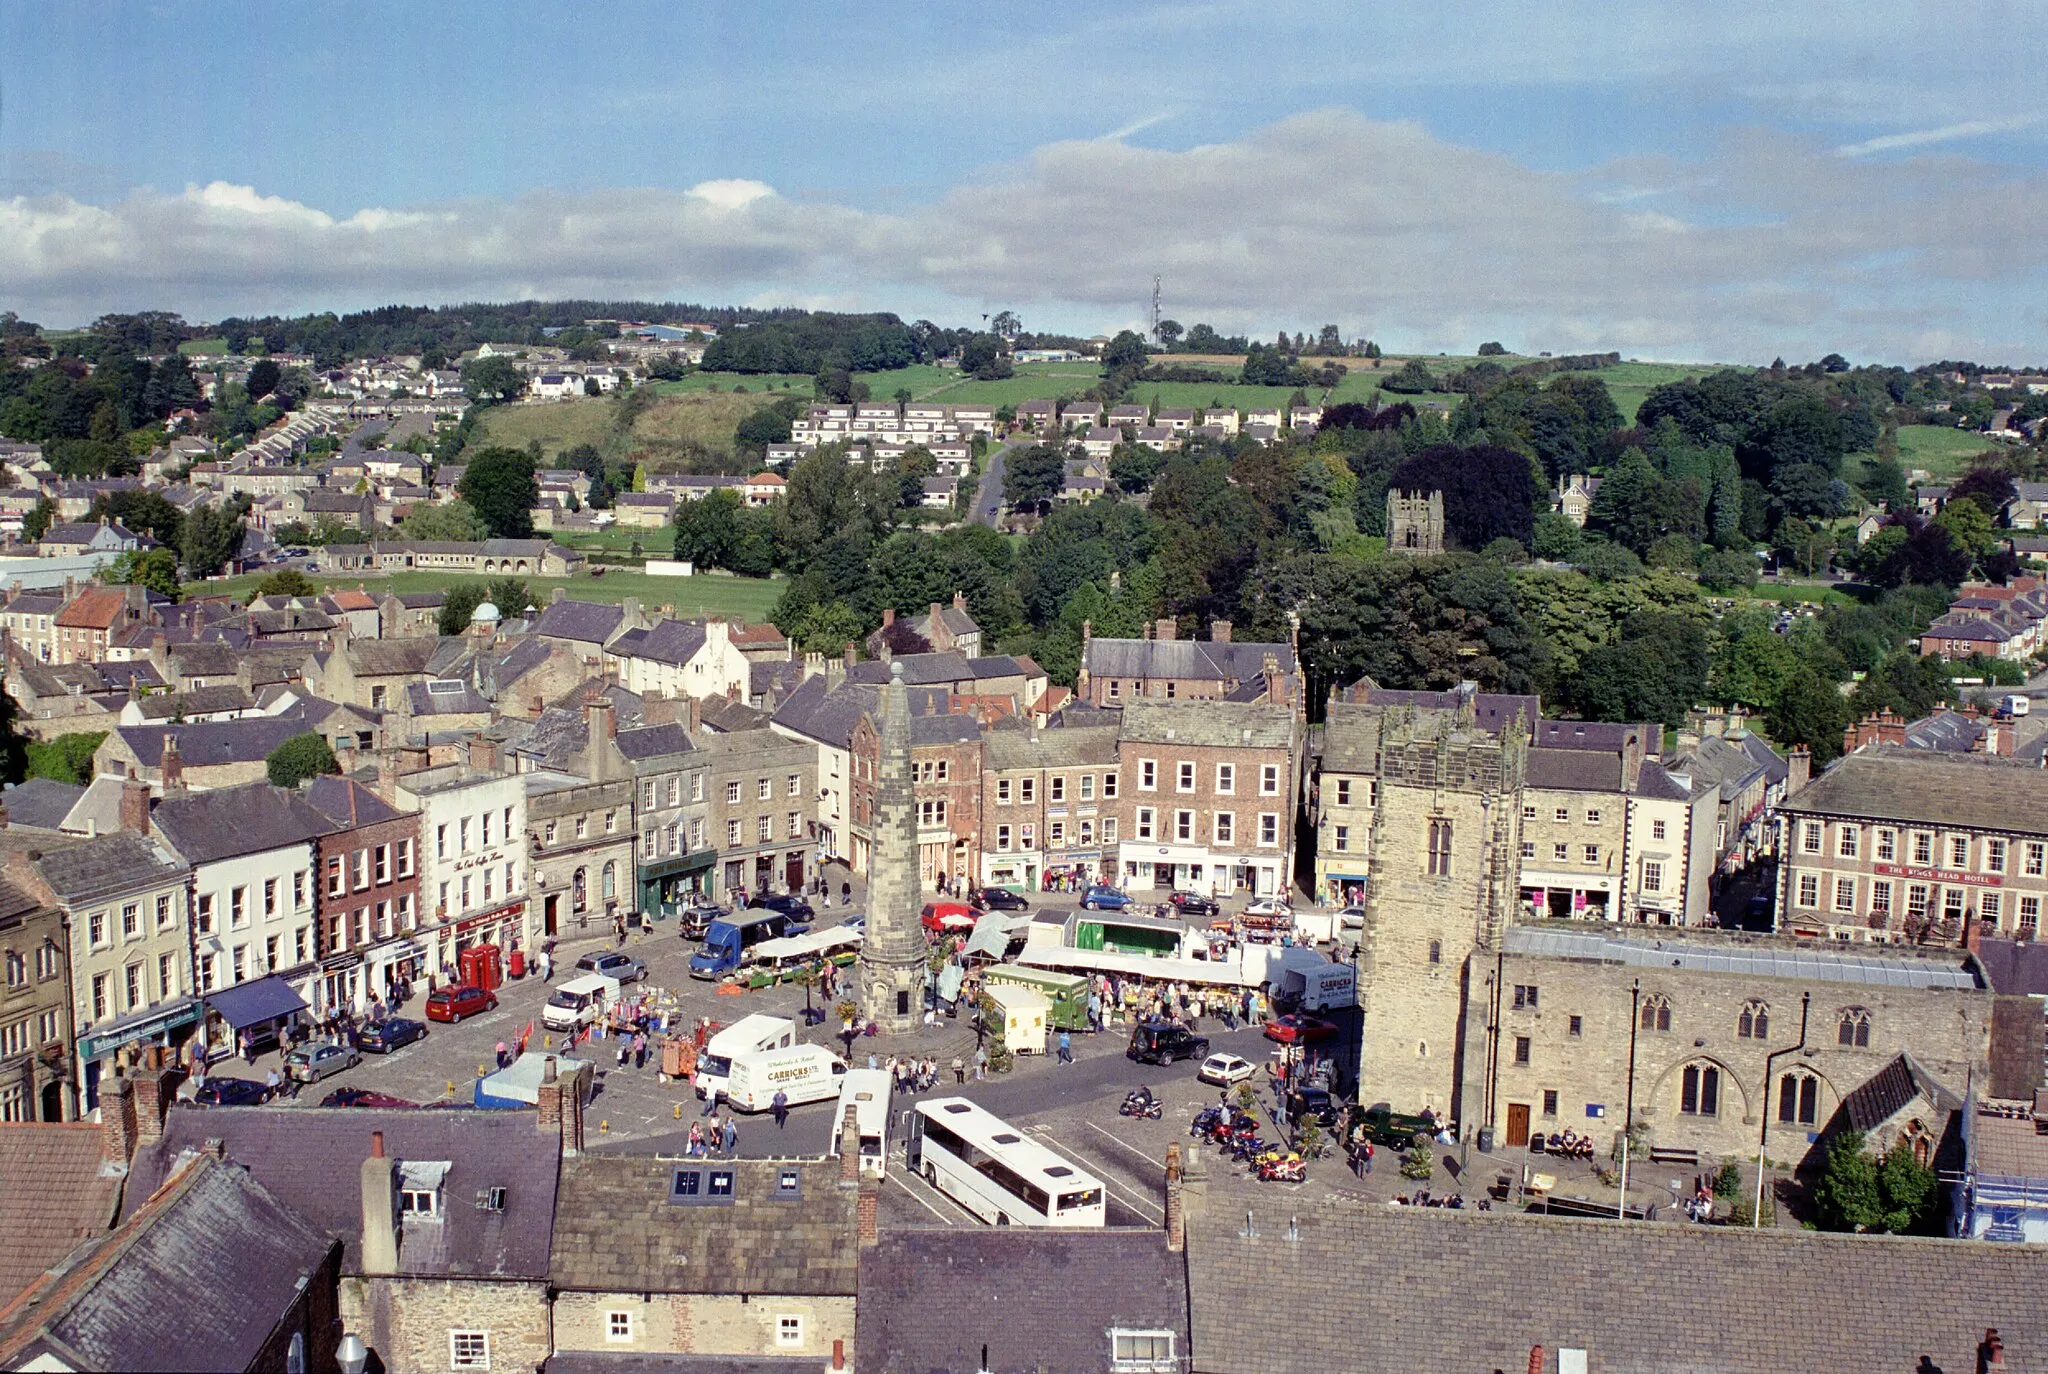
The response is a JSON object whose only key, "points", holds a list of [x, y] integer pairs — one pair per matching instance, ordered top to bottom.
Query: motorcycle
{"points": [[1140, 1102], [1206, 1122], [1248, 1149], [1282, 1168]]}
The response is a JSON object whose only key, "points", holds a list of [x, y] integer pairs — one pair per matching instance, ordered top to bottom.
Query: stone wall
{"points": [[407, 1321], [698, 1323]]}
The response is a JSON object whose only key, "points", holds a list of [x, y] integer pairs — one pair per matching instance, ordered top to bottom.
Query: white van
{"points": [[2016, 705], [579, 1002], [749, 1035], [802, 1073], [867, 1092]]}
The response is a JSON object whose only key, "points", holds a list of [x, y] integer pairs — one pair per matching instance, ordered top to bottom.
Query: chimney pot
{"points": [[376, 1144]]}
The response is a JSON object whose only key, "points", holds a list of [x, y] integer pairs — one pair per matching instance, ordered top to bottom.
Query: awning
{"points": [[994, 932], [249, 1004]]}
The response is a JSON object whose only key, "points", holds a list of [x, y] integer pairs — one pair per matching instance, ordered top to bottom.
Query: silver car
{"points": [[612, 964], [311, 1063]]}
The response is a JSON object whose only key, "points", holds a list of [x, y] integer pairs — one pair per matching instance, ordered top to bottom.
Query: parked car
{"points": [[1000, 899], [1105, 899], [1194, 904], [1268, 906], [796, 908], [943, 917], [1351, 918], [695, 920], [622, 968], [454, 1004], [1296, 1029], [382, 1037], [1162, 1042], [311, 1063], [1225, 1069], [231, 1092], [365, 1097], [1313, 1104], [1385, 1126]]}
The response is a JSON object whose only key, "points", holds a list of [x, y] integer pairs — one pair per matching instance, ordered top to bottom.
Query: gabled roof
{"points": [[96, 608], [586, 622], [673, 642], [388, 657], [1185, 659], [199, 701], [1209, 723], [654, 742], [211, 743], [1971, 791], [40, 803], [348, 804], [202, 827], [119, 862], [1891, 1089], [55, 1192]]}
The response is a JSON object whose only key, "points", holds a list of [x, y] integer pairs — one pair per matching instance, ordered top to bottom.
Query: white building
{"points": [[472, 857]]}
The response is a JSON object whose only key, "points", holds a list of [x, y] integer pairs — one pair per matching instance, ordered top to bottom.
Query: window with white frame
{"points": [[1148, 775], [1184, 778], [1226, 778], [1269, 780], [1087, 781], [795, 785], [1109, 786], [1056, 788], [763, 789], [1027, 790], [1002, 791], [732, 794], [1592, 815], [1146, 818], [1183, 825], [1226, 828], [764, 829], [1269, 829], [1109, 830], [1656, 830], [1056, 834], [1809, 837], [1340, 838], [1002, 839], [1846, 842], [1887, 845], [1923, 849], [1958, 851], [1994, 855], [2036, 860], [1653, 876], [1809, 889], [1845, 894], [1880, 899], [1990, 907], [618, 1326], [789, 1330], [469, 1349], [1142, 1352]]}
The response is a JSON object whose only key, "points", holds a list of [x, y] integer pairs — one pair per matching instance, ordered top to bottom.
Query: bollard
{"points": [[547, 1042], [481, 1071], [451, 1089], [679, 1111], [604, 1127]]}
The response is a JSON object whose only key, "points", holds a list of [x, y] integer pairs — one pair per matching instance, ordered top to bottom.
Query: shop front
{"points": [[1193, 869], [1018, 872], [668, 886], [1344, 889], [1567, 896], [504, 927], [339, 985], [249, 1018], [167, 1028]]}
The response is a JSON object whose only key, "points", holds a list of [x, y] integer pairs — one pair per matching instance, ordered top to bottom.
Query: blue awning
{"points": [[249, 1004]]}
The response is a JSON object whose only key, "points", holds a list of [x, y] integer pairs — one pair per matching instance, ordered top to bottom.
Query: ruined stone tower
{"points": [[1415, 522], [892, 956]]}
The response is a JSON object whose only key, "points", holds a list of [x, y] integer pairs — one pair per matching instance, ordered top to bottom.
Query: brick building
{"points": [[946, 769], [1209, 793], [1909, 845], [367, 912], [35, 1002]]}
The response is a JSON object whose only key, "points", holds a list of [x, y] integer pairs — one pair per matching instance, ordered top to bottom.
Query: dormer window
{"points": [[416, 1202]]}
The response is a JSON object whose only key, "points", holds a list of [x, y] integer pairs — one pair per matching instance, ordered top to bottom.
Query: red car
{"points": [[942, 918], [453, 1004], [1299, 1030]]}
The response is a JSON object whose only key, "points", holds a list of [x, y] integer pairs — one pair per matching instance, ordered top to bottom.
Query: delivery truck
{"points": [[748, 1035], [801, 1073]]}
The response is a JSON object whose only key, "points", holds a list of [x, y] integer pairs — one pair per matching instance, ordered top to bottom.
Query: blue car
{"points": [[1104, 899], [231, 1092]]}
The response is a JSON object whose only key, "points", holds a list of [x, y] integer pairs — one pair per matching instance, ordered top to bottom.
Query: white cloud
{"points": [[1926, 138], [1772, 245]]}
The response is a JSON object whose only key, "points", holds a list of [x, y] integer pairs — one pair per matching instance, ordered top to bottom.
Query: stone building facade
{"points": [[1415, 522], [946, 771], [1209, 794], [1051, 802], [762, 810], [580, 836], [1895, 845], [1440, 850], [35, 1011], [1717, 1033]]}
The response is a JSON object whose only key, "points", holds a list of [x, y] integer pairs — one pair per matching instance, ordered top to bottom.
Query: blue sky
{"points": [[1754, 180]]}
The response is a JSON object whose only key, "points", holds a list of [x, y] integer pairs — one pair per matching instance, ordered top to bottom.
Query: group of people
{"points": [[719, 1135]]}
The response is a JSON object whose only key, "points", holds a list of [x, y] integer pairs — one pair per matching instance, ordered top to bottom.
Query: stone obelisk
{"points": [[892, 971]]}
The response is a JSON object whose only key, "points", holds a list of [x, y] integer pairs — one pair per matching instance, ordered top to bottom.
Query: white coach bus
{"points": [[997, 1173]]}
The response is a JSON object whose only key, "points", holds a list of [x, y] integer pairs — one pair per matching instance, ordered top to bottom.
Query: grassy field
{"points": [[193, 348], [767, 383], [674, 423], [558, 425], [1945, 453], [748, 597]]}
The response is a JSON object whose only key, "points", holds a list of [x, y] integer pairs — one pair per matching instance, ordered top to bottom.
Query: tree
{"points": [[1006, 324], [1168, 334], [1126, 350], [1492, 350], [982, 358], [263, 378], [495, 378], [1409, 379], [1033, 474], [500, 486], [145, 512], [37, 522], [450, 522], [707, 529], [1555, 537], [209, 539], [156, 569], [1727, 570], [285, 582], [511, 595], [461, 603], [1656, 670], [1812, 711], [67, 758], [299, 758], [1896, 1193]]}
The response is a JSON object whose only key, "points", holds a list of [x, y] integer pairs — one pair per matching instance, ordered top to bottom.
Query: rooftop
{"points": [[1973, 791], [1804, 961], [54, 1193]]}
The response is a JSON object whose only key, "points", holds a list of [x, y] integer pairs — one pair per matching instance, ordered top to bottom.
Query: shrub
{"points": [[299, 758]]}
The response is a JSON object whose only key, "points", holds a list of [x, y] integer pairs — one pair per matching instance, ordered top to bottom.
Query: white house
{"points": [[472, 857]]}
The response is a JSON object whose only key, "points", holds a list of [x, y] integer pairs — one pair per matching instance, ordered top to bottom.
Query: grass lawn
{"points": [[194, 347], [769, 383], [675, 422], [559, 425], [1944, 452], [613, 539], [1786, 593], [750, 597]]}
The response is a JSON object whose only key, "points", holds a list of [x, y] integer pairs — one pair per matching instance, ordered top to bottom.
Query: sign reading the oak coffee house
{"points": [[1954, 877]]}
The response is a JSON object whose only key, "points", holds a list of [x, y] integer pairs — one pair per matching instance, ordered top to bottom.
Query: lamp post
{"points": [[1628, 1111], [1763, 1134], [352, 1355]]}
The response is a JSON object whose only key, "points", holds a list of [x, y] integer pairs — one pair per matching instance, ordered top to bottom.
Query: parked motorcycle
{"points": [[1140, 1102], [1282, 1167]]}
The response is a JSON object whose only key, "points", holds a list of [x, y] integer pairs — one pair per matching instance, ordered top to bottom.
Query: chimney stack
{"points": [[959, 601], [1167, 628], [1219, 631], [849, 658], [482, 753], [171, 767], [1798, 769], [135, 806], [155, 1088], [572, 1114], [117, 1119], [849, 1150], [380, 1210], [867, 1213], [1992, 1351]]}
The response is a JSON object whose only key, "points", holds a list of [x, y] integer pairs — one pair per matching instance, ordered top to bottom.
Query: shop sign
{"points": [[1952, 876], [500, 913]]}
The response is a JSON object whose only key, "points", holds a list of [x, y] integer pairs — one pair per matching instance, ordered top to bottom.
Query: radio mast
{"points": [[1155, 309]]}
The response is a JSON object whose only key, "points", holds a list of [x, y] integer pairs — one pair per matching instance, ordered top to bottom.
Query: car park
{"points": [[1000, 899], [1105, 899], [1194, 904], [620, 968], [454, 1004], [1299, 1030], [392, 1033], [1162, 1042], [311, 1063], [1225, 1069], [231, 1092]]}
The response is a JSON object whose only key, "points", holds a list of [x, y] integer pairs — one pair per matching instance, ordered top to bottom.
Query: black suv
{"points": [[1192, 904], [796, 908], [1162, 1042]]}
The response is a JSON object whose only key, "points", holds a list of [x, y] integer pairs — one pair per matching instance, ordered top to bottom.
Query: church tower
{"points": [[1415, 522], [892, 971]]}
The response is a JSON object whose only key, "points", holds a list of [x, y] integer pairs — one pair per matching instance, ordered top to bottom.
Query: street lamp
{"points": [[1628, 1111], [352, 1355]]}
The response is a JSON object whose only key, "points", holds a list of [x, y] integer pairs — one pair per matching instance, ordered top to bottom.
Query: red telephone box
{"points": [[482, 966]]}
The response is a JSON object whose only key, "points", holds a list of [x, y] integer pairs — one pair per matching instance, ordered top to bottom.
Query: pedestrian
{"points": [[846, 894], [1066, 1048], [625, 1049], [640, 1050], [501, 1054], [980, 1065], [959, 1070], [274, 1082], [779, 1104], [729, 1140], [696, 1147], [1368, 1156]]}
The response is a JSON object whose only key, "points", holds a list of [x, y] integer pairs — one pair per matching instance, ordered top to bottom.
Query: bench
{"points": [[1672, 1154]]}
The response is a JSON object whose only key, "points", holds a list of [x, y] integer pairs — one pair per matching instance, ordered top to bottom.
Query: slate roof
{"points": [[586, 622], [674, 642], [384, 657], [210, 659], [1184, 659], [780, 676], [220, 696], [421, 698], [1490, 710], [827, 712], [730, 717], [1217, 723], [1597, 735], [654, 742], [208, 743], [1018, 746], [1573, 770], [1657, 784], [1971, 791], [40, 803], [348, 804], [202, 827], [120, 862], [1811, 961], [2014, 968], [1887, 1092], [310, 1158], [54, 1195], [616, 1230], [199, 1278], [1624, 1292], [1043, 1302], [634, 1362]]}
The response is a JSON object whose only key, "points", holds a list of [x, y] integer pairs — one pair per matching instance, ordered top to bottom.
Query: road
{"points": [[988, 497]]}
